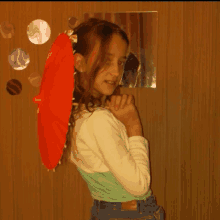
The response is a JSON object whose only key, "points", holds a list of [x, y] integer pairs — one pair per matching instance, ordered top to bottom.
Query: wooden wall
{"points": [[180, 117]]}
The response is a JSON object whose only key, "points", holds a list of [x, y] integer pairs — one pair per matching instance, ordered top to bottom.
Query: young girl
{"points": [[107, 145]]}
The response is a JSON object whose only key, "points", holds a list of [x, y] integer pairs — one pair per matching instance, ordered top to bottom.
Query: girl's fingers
{"points": [[113, 98], [130, 99], [120, 101], [124, 101], [117, 102]]}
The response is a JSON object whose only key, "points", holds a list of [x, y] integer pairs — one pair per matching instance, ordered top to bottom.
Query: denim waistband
{"points": [[113, 209]]}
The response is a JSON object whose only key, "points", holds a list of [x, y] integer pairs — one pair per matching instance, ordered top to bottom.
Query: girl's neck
{"points": [[103, 99]]}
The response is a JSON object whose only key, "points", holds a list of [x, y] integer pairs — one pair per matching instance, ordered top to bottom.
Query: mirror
{"points": [[141, 28], [7, 29], [38, 31], [18, 59], [35, 79], [14, 87]]}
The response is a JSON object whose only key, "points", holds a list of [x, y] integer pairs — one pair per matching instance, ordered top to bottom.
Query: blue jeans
{"points": [[146, 209]]}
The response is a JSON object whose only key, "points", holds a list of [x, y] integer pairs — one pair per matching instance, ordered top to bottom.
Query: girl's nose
{"points": [[115, 71]]}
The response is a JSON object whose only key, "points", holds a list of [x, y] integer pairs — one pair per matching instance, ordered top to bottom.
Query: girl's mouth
{"points": [[110, 83]]}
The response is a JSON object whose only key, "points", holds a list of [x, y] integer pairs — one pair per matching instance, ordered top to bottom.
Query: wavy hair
{"points": [[88, 33]]}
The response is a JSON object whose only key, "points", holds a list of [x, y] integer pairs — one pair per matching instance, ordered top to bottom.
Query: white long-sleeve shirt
{"points": [[115, 166]]}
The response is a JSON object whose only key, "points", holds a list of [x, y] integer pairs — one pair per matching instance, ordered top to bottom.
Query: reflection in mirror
{"points": [[73, 22], [7, 29], [141, 29], [38, 31], [18, 59], [129, 78], [35, 79], [14, 87]]}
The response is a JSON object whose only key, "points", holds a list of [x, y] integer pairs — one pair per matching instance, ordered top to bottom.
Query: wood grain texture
{"points": [[180, 117]]}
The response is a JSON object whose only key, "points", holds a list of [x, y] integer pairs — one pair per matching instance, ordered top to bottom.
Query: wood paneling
{"points": [[180, 117]]}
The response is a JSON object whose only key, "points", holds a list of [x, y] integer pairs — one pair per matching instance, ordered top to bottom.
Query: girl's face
{"points": [[113, 69]]}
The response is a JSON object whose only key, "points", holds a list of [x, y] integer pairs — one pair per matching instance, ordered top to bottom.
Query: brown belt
{"points": [[130, 205]]}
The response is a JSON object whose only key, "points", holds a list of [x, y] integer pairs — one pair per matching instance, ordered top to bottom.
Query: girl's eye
{"points": [[108, 63], [121, 63]]}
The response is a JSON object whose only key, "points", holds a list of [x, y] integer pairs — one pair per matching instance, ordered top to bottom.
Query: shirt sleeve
{"points": [[129, 167]]}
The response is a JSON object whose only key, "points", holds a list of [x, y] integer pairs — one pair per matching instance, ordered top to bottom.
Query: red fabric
{"points": [[56, 93]]}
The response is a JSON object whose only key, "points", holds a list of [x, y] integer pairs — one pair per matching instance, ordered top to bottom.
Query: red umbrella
{"points": [[55, 101]]}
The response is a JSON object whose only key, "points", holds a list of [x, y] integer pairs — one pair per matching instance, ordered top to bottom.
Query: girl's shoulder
{"points": [[96, 109]]}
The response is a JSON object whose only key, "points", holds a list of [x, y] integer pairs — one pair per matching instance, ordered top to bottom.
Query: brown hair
{"points": [[88, 33]]}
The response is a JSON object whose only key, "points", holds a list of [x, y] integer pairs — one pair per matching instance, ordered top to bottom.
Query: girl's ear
{"points": [[79, 62]]}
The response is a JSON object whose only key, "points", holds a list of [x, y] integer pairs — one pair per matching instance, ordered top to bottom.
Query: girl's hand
{"points": [[119, 101], [127, 112]]}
